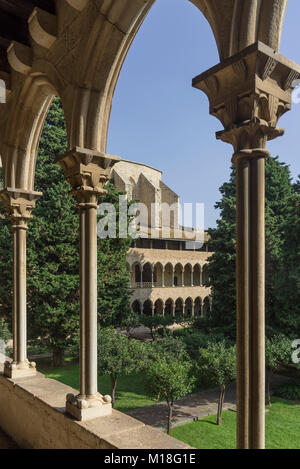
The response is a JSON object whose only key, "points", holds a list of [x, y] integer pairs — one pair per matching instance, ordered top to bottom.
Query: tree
{"points": [[297, 185], [280, 194], [52, 246], [53, 254], [6, 266], [221, 266], [113, 277], [287, 277], [158, 320], [152, 322], [131, 323], [5, 334], [169, 347], [278, 352], [117, 354], [217, 367], [169, 378]]}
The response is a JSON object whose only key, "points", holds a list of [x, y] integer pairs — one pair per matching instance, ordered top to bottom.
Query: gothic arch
{"points": [[82, 56], [22, 131]]}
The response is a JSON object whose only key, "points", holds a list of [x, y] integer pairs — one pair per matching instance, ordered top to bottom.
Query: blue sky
{"points": [[160, 120]]}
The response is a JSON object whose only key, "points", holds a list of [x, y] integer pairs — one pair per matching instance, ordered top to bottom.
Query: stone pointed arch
{"points": [[85, 60], [21, 135], [159, 306], [169, 306]]}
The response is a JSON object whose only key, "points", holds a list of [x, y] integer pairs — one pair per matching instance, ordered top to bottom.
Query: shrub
{"points": [[5, 334], [290, 392]]}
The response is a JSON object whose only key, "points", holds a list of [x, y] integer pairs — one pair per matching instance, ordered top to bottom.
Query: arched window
{"points": [[136, 307]]}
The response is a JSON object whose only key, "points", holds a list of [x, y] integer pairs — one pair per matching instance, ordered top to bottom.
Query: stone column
{"points": [[248, 93], [87, 172], [19, 205], [142, 270], [201, 275], [152, 276], [192, 276], [163, 277], [182, 277], [193, 309]]}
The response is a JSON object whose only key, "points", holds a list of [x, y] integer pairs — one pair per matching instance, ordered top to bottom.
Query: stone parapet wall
{"points": [[32, 414]]}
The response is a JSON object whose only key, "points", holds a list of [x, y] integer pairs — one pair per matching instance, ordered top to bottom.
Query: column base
{"points": [[19, 370], [87, 409]]}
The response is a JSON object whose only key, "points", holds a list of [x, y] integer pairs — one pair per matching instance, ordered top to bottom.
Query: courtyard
{"points": [[92, 101]]}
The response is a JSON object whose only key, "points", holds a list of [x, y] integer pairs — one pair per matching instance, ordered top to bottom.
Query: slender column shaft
{"points": [[87, 171], [19, 205], [82, 217], [242, 279], [90, 300], [251, 302], [257, 319], [20, 321]]}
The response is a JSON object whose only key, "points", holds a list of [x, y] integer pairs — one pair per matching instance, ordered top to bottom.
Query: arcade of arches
{"points": [[75, 49], [157, 288]]}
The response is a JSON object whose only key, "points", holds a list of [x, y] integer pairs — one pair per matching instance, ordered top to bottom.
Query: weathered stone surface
{"points": [[77, 54], [32, 411]]}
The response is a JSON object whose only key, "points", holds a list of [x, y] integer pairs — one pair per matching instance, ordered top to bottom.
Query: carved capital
{"points": [[254, 91], [253, 134], [87, 172], [19, 205]]}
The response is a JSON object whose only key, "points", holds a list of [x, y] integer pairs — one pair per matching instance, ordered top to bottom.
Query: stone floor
{"points": [[192, 407], [6, 442]]}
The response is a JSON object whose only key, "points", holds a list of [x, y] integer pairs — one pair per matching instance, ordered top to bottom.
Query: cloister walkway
{"points": [[194, 406]]}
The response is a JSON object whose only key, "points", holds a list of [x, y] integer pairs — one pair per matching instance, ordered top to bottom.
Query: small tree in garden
{"points": [[131, 322], [152, 322], [5, 334], [171, 348], [278, 352], [117, 354], [217, 367], [168, 378]]}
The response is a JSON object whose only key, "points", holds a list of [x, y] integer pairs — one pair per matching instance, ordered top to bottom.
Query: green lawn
{"points": [[130, 390], [282, 429]]}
